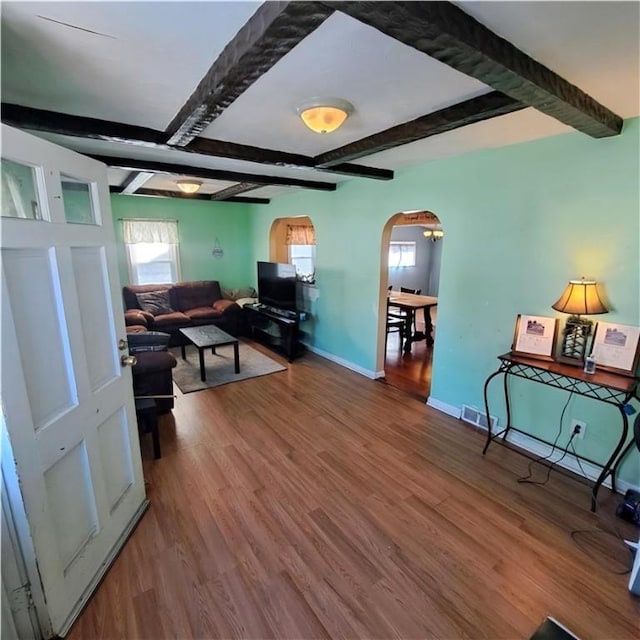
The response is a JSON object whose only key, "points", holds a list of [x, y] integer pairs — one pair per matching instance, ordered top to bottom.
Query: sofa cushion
{"points": [[194, 295], [155, 302], [222, 306], [203, 313], [135, 317], [170, 320], [136, 328], [151, 362]]}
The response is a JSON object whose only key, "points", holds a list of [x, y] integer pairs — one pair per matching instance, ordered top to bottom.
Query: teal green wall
{"points": [[520, 221], [200, 224]]}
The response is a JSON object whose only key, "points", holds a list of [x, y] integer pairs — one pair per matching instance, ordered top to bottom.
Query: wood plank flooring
{"points": [[410, 372], [315, 503]]}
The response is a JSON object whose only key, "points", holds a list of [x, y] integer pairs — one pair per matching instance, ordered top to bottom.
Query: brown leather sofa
{"points": [[169, 308]]}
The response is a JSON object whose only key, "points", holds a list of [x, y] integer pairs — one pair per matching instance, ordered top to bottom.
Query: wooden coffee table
{"points": [[209, 337]]}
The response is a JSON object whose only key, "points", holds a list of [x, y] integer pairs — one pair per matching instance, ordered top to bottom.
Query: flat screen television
{"points": [[277, 285]]}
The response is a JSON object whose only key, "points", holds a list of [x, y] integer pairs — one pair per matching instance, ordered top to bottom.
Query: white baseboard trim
{"points": [[368, 373], [449, 409], [539, 449], [569, 462]]}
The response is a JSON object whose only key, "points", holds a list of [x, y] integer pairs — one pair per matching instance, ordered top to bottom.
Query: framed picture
{"points": [[535, 337], [616, 347]]}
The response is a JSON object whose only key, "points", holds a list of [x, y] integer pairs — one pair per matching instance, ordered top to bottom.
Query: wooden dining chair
{"points": [[402, 313], [394, 324]]}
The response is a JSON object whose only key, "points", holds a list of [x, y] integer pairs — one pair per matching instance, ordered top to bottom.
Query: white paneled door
{"points": [[67, 401]]}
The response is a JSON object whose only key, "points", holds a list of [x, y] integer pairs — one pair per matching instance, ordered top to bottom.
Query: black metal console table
{"points": [[609, 388]]}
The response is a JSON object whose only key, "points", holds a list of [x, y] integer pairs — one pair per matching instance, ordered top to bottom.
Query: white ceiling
{"points": [[593, 45], [145, 59], [149, 59], [386, 81]]}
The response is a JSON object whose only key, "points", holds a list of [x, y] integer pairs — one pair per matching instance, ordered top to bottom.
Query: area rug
{"points": [[219, 367]]}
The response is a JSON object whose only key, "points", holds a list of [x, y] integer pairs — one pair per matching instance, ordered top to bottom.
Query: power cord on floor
{"points": [[526, 479], [599, 529]]}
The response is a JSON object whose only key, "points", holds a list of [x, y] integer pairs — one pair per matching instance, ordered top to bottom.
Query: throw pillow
{"points": [[240, 292], [155, 302]]}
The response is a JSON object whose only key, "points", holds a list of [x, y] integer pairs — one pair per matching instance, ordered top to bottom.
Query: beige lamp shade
{"points": [[324, 115], [580, 298]]}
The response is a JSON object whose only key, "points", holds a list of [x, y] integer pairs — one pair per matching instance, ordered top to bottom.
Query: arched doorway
{"points": [[293, 240], [411, 251]]}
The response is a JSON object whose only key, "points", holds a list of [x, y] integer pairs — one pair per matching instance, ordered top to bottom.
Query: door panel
{"points": [[96, 315], [40, 334], [68, 403], [115, 455], [71, 498]]}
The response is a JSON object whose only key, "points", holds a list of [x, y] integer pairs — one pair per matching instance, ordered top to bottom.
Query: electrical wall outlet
{"points": [[580, 426]]}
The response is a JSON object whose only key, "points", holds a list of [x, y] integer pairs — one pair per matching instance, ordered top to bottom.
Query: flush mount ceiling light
{"points": [[324, 115], [189, 186]]}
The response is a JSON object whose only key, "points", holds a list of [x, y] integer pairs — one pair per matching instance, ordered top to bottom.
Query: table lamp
{"points": [[579, 298]]}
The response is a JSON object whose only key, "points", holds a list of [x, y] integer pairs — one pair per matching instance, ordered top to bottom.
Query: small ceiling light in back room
{"points": [[324, 115], [189, 186], [433, 234]]}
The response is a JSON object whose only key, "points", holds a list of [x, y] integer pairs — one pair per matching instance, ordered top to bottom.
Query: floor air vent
{"points": [[478, 418]]}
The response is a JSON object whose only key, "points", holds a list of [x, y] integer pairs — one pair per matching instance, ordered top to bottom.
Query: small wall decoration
{"points": [[217, 252], [535, 337], [616, 347]]}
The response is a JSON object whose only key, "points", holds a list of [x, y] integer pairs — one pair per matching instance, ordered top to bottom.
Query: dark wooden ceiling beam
{"points": [[271, 32], [446, 33], [458, 115], [78, 126], [95, 129], [232, 150], [132, 164], [135, 180], [235, 190], [162, 193]]}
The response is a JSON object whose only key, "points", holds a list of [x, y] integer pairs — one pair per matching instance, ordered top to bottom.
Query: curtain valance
{"points": [[137, 231], [300, 234]]}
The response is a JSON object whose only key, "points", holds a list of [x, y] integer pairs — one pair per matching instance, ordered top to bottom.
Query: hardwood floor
{"points": [[410, 372], [315, 503]]}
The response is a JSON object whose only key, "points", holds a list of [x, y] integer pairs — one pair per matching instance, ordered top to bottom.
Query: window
{"points": [[19, 193], [301, 243], [152, 251], [402, 254], [303, 257]]}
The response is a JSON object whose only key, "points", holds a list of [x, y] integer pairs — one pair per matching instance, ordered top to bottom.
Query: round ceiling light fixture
{"points": [[324, 115], [189, 186]]}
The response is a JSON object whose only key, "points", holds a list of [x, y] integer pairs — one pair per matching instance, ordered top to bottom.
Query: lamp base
{"points": [[574, 343]]}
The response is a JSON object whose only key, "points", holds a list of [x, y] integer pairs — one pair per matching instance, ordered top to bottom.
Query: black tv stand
{"points": [[276, 328]]}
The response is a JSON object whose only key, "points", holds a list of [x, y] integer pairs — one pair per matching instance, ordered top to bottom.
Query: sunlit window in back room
{"points": [[402, 254], [303, 257]]}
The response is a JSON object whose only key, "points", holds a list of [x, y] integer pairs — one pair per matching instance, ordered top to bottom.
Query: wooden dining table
{"points": [[411, 302]]}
